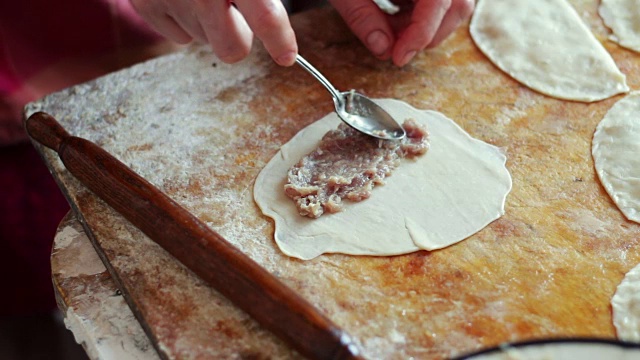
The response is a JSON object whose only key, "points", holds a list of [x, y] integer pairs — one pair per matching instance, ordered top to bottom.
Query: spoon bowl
{"points": [[357, 110]]}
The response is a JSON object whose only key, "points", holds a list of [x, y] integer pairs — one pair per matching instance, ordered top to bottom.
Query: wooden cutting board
{"points": [[201, 131]]}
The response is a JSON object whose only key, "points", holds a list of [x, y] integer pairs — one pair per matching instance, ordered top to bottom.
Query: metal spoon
{"points": [[357, 110]]}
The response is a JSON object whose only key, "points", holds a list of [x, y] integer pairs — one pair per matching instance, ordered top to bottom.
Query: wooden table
{"points": [[548, 268], [93, 306]]}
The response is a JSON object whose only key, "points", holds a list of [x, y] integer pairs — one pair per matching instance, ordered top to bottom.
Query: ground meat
{"points": [[347, 165]]}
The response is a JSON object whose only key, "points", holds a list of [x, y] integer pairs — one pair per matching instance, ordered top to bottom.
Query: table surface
{"points": [[548, 268], [93, 306]]}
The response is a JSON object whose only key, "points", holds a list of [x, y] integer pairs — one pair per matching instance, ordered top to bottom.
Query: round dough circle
{"points": [[623, 18], [545, 45], [616, 154], [458, 187], [625, 305]]}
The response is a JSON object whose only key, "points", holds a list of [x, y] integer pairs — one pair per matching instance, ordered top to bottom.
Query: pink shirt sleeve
{"points": [[36, 35]]}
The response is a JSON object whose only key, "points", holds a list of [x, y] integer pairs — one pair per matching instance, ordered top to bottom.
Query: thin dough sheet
{"points": [[623, 18], [546, 46], [616, 154], [457, 188], [625, 306]]}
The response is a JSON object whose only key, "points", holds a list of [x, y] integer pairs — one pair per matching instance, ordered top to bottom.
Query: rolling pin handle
{"points": [[43, 128], [194, 244]]}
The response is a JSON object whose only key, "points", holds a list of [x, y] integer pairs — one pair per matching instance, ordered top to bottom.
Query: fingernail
{"points": [[378, 42], [408, 56], [287, 59]]}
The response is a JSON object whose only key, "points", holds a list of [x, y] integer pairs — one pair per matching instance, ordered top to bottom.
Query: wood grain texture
{"points": [[201, 133], [203, 251], [93, 306]]}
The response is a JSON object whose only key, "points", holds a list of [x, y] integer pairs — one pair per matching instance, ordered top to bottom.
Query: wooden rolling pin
{"points": [[206, 253]]}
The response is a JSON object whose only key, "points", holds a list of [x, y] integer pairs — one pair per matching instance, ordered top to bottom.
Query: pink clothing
{"points": [[35, 35], [44, 44]]}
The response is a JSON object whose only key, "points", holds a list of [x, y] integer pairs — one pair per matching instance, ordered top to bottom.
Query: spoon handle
{"points": [[323, 80]]}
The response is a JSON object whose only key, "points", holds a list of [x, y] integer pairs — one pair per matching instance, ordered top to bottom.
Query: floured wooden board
{"points": [[201, 131], [93, 306]]}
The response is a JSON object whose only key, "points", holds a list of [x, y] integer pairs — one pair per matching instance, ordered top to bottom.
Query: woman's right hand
{"points": [[228, 27]]}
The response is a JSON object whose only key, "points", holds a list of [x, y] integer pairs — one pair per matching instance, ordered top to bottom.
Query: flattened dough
{"points": [[623, 18], [545, 45], [616, 154], [454, 190], [625, 306]]}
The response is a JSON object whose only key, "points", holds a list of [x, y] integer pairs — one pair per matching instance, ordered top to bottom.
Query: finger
{"points": [[460, 11], [186, 17], [160, 21], [269, 21], [425, 21], [369, 24], [168, 27], [227, 31]]}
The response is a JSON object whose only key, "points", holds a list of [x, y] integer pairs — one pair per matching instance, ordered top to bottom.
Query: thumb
{"points": [[368, 23]]}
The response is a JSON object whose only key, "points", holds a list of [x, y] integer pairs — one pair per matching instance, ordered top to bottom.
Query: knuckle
{"points": [[200, 4], [202, 7], [357, 16], [268, 18]]}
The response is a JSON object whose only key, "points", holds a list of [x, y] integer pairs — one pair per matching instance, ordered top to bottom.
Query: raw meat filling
{"points": [[347, 165]]}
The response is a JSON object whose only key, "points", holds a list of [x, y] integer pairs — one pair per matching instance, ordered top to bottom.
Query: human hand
{"points": [[420, 24], [227, 27]]}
